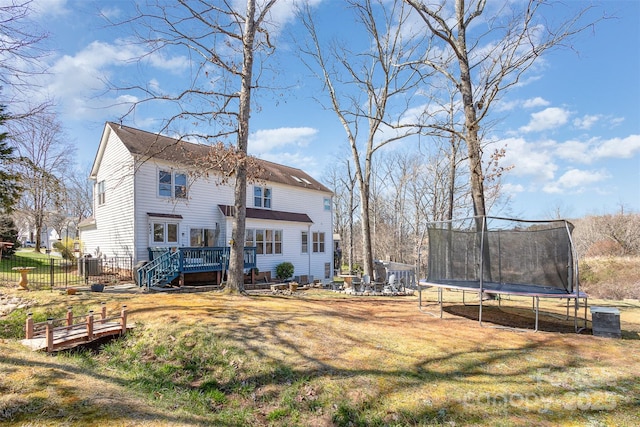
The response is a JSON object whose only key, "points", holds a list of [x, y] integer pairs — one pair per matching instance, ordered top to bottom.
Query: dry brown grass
{"points": [[319, 358]]}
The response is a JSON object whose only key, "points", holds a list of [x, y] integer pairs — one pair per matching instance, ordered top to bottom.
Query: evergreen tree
{"points": [[9, 181], [8, 233]]}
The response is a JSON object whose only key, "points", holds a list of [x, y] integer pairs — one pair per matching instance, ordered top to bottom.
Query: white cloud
{"points": [[44, 8], [111, 12], [75, 80], [535, 102], [501, 106], [549, 118], [617, 121], [586, 122], [266, 140], [620, 148], [595, 149], [575, 151], [530, 159], [309, 164], [576, 181], [512, 188]]}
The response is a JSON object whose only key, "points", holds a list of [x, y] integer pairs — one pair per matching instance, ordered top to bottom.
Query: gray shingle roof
{"points": [[151, 145]]}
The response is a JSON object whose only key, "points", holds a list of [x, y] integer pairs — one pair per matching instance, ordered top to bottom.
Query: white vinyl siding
{"points": [[124, 223], [113, 234]]}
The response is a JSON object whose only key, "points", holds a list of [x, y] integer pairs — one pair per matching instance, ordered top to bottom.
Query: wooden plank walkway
{"points": [[47, 336]]}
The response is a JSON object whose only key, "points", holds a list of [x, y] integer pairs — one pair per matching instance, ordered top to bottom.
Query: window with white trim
{"points": [[172, 184], [100, 193], [262, 197], [327, 204], [164, 232], [249, 237], [266, 241], [318, 242], [304, 248]]}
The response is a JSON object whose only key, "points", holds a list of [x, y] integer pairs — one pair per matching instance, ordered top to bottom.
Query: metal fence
{"points": [[61, 273]]}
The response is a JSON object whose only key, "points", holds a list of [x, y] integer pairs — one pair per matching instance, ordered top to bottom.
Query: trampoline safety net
{"points": [[531, 253]]}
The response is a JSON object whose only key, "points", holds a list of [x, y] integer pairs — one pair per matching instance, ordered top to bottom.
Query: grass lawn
{"points": [[42, 274], [318, 358]]}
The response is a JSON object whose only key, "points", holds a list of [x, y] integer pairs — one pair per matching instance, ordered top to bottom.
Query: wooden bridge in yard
{"points": [[71, 331]]}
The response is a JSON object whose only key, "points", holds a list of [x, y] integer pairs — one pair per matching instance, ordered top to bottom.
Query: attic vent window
{"points": [[296, 178]]}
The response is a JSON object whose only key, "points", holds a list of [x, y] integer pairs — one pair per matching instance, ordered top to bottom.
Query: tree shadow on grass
{"points": [[277, 375]]}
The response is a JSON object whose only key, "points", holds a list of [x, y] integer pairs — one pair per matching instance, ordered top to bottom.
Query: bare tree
{"points": [[223, 40], [484, 56], [21, 59], [361, 86], [44, 160], [341, 180], [79, 204], [608, 235]]}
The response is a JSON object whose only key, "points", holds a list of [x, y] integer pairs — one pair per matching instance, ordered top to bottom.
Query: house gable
{"points": [[147, 145]]}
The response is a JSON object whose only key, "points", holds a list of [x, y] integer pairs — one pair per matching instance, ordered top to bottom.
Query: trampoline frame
{"points": [[531, 290]]}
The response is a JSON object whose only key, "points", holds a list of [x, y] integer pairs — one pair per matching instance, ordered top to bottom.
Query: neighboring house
{"points": [[145, 197], [27, 236]]}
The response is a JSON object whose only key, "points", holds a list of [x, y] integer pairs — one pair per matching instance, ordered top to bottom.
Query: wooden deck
{"points": [[75, 330]]}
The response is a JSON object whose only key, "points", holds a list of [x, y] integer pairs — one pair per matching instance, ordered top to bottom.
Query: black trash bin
{"points": [[606, 322]]}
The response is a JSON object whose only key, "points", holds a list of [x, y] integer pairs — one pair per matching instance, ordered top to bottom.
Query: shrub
{"points": [[65, 247], [284, 270]]}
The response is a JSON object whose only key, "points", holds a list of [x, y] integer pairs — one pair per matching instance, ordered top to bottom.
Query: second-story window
{"points": [[172, 184], [101, 193], [262, 197], [327, 204]]}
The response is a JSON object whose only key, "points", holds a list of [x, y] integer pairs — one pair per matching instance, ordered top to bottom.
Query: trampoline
{"points": [[493, 256]]}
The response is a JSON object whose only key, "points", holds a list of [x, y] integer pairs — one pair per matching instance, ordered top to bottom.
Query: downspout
{"points": [[136, 223], [309, 247]]}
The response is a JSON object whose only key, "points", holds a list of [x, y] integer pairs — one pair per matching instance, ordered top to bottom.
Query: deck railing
{"points": [[165, 261]]}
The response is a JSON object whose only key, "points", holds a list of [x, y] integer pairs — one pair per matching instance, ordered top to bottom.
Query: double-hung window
{"points": [[172, 184], [100, 192], [262, 197], [165, 232], [266, 241], [318, 242], [304, 243]]}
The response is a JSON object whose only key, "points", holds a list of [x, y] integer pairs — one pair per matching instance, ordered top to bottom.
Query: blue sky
{"points": [[571, 130]]}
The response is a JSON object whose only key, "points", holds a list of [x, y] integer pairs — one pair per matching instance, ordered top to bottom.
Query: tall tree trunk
{"points": [[472, 140], [235, 281]]}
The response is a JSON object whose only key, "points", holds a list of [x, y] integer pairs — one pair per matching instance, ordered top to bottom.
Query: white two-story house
{"points": [[146, 196]]}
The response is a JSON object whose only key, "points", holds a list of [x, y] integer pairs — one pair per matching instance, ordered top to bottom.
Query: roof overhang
{"points": [[268, 214], [164, 215]]}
